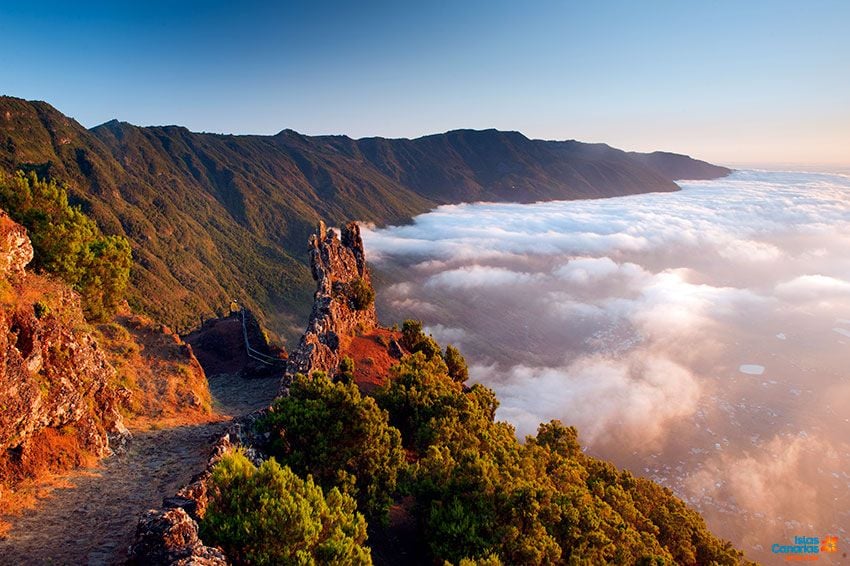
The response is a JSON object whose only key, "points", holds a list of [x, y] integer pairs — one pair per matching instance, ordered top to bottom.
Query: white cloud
{"points": [[734, 224], [588, 270], [480, 276], [813, 287], [630, 318], [446, 334], [631, 398], [772, 481]]}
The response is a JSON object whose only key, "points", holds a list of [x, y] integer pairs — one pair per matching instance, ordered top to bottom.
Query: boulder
{"points": [[170, 537]]}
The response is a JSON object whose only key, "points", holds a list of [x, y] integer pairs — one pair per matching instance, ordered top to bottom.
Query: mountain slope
{"points": [[676, 166], [218, 217]]}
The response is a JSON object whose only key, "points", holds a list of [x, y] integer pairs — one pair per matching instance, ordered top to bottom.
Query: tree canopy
{"points": [[68, 244], [341, 438], [481, 494], [268, 515]]}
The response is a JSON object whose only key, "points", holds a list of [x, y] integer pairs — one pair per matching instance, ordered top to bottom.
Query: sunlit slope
{"points": [[218, 217]]}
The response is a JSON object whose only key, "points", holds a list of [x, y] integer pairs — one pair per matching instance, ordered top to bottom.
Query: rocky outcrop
{"points": [[15, 248], [344, 301], [164, 377], [57, 397], [170, 537]]}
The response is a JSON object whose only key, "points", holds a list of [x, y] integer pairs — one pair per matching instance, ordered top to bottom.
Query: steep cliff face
{"points": [[343, 304], [57, 398]]}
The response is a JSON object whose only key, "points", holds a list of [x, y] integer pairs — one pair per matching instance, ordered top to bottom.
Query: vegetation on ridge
{"points": [[68, 244], [340, 437], [478, 494], [268, 515]]}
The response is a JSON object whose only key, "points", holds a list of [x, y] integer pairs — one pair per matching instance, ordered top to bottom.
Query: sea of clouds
{"points": [[699, 337]]}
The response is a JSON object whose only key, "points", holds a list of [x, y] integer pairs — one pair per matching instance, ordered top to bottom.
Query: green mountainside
{"points": [[214, 217]]}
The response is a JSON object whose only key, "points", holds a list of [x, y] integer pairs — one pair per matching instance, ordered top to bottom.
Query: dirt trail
{"points": [[94, 521]]}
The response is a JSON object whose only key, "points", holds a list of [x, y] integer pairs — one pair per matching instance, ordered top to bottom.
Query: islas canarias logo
{"points": [[806, 549]]}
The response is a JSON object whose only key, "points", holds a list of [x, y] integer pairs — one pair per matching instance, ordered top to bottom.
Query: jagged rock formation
{"points": [[339, 267], [57, 397]]}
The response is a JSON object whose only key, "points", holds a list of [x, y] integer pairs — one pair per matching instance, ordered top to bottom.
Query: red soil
{"points": [[372, 361]]}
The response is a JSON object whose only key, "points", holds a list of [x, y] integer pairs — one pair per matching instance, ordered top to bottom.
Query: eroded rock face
{"points": [[15, 247], [337, 264], [56, 387]]}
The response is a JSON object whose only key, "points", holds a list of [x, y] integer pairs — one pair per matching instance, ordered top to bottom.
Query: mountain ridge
{"points": [[217, 217]]}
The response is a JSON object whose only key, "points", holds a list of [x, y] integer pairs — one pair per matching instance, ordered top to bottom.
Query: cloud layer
{"points": [[630, 317]]}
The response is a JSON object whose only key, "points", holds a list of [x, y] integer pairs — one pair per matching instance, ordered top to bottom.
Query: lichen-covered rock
{"points": [[338, 265], [50, 376], [170, 537]]}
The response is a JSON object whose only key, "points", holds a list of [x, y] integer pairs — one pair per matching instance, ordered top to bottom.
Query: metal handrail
{"points": [[251, 352]]}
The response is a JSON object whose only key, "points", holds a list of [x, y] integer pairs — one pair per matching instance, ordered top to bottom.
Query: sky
{"points": [[732, 82]]}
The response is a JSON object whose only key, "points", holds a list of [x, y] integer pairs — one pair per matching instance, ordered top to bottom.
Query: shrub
{"points": [[360, 294], [411, 333], [413, 338], [456, 364], [345, 371], [343, 439], [480, 496], [268, 515]]}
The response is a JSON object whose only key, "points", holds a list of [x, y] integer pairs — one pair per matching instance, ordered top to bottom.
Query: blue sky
{"points": [[735, 82]]}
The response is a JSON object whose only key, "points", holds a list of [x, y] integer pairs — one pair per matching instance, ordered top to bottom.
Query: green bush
{"points": [[68, 244], [360, 294], [411, 333], [413, 338], [456, 364], [345, 371], [341, 438], [482, 496], [268, 515]]}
